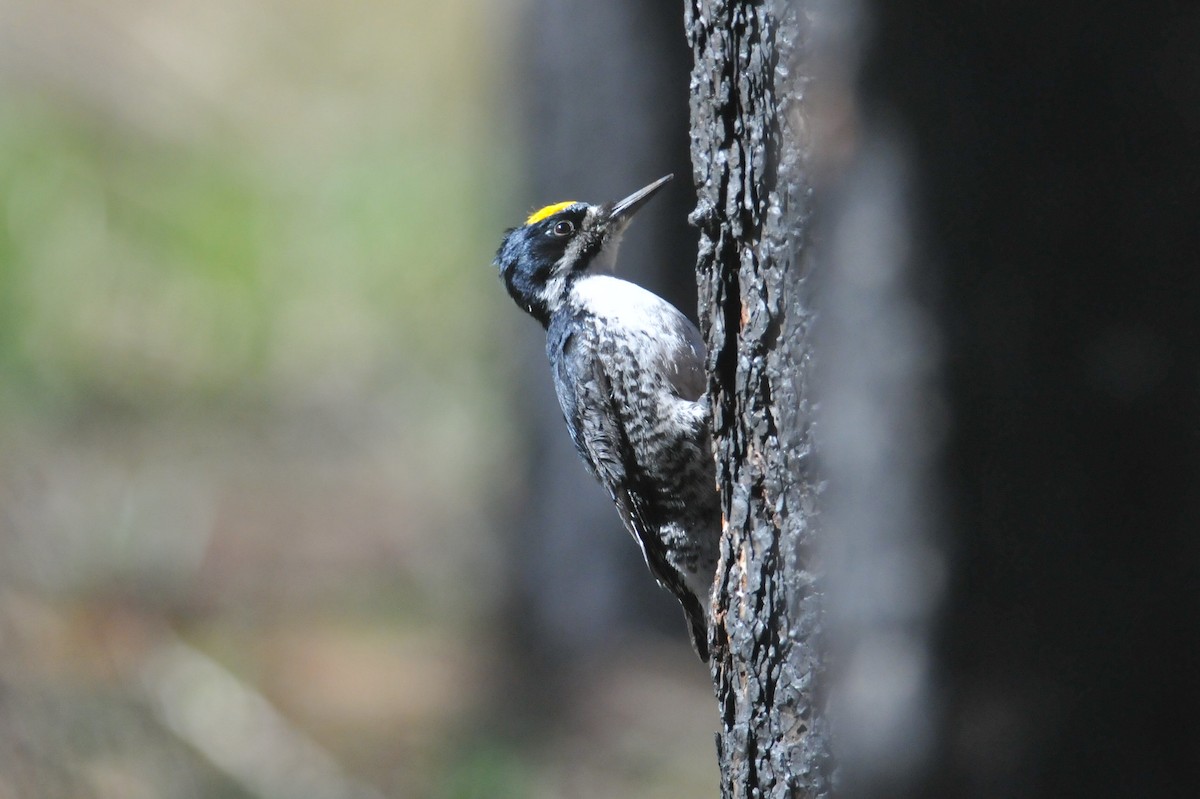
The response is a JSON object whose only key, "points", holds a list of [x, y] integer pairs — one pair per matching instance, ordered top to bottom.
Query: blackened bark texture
{"points": [[753, 212]]}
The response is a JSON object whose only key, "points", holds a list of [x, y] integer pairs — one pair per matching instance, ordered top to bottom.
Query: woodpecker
{"points": [[628, 369]]}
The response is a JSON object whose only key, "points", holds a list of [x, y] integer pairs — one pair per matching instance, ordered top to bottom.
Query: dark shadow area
{"points": [[1053, 153]]}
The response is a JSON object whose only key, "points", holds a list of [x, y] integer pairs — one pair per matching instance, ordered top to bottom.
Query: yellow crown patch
{"points": [[549, 210]]}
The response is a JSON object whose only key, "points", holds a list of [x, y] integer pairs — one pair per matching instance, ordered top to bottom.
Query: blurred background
{"points": [[287, 508]]}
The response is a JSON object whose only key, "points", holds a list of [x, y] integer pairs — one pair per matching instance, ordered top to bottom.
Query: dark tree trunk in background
{"points": [[753, 212], [1010, 361]]}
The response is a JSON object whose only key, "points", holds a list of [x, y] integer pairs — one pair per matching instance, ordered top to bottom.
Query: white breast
{"points": [[623, 303], [666, 345]]}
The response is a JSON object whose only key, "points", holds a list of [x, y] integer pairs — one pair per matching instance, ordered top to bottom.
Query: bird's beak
{"points": [[622, 210]]}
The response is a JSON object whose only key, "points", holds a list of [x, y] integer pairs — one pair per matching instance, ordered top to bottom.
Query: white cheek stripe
{"points": [[552, 292]]}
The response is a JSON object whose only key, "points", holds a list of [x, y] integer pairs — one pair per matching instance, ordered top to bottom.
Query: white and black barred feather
{"points": [[629, 371]]}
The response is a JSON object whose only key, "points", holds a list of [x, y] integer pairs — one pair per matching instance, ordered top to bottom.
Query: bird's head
{"points": [[557, 244]]}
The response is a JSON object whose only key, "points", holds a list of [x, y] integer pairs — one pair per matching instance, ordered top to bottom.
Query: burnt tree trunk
{"points": [[754, 214], [1009, 388]]}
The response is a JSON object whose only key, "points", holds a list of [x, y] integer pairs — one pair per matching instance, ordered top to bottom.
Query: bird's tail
{"points": [[697, 622]]}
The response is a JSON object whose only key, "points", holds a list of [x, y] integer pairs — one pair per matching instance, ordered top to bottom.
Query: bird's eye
{"points": [[564, 228]]}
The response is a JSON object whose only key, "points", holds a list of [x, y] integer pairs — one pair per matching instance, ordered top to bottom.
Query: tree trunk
{"points": [[1054, 155], [753, 212], [1009, 391]]}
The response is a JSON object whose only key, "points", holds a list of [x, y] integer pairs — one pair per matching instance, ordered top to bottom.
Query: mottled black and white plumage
{"points": [[629, 372]]}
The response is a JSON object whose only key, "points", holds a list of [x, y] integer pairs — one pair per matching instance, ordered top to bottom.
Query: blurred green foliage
{"points": [[133, 271], [253, 401]]}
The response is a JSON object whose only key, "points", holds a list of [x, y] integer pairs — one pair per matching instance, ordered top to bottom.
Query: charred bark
{"points": [[754, 215]]}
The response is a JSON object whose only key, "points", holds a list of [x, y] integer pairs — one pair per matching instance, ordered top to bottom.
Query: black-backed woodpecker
{"points": [[628, 369]]}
